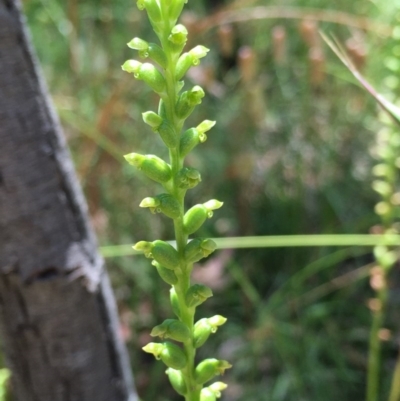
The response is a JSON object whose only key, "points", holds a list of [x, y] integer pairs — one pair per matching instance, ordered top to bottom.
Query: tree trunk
{"points": [[58, 317]]}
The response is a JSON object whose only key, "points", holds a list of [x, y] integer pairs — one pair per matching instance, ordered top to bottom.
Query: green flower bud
{"points": [[140, 5], [174, 10], [153, 12], [178, 35], [138, 44], [151, 50], [198, 52], [156, 53], [189, 59], [132, 66], [182, 66], [149, 74], [195, 95], [188, 101], [152, 119], [205, 126], [168, 134], [193, 136], [189, 140], [386, 153], [154, 167], [382, 170], [188, 178], [382, 187], [395, 199], [151, 203], [163, 203], [211, 205], [169, 206], [382, 208], [194, 218], [208, 246], [145, 247], [199, 248], [380, 251], [193, 252], [165, 254], [385, 257], [167, 275], [197, 294], [174, 301], [217, 321], [204, 327], [172, 328], [160, 330], [202, 331], [155, 349], [171, 354], [209, 368], [177, 381], [217, 387], [212, 392], [207, 395]]}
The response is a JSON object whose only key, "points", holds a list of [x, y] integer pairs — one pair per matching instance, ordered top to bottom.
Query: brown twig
{"points": [[270, 12], [391, 109]]}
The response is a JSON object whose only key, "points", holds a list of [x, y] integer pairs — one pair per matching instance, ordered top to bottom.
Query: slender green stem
{"points": [[273, 241], [186, 313], [374, 358], [395, 387]]}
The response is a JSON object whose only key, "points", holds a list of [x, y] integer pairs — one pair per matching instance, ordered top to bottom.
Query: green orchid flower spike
{"points": [[162, 67]]}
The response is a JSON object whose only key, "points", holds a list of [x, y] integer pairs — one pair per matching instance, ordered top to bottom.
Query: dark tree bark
{"points": [[57, 313]]}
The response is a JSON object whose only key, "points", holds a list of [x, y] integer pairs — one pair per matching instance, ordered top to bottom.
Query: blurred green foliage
{"points": [[290, 155]]}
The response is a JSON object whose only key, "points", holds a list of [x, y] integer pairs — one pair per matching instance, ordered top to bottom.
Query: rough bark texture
{"points": [[57, 314]]}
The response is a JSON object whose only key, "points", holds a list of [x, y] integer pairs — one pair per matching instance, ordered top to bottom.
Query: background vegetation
{"points": [[292, 154]]}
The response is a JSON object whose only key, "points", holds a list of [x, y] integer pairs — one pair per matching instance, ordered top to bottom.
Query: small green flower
{"points": [[174, 10], [153, 11], [178, 35], [138, 44], [189, 59], [132, 66], [148, 73], [188, 101], [152, 119], [189, 140], [154, 167], [188, 178], [164, 203], [196, 216], [145, 247], [198, 249], [165, 254], [167, 275], [197, 294], [204, 327], [173, 329], [171, 354], [210, 368], [177, 380], [211, 393]]}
